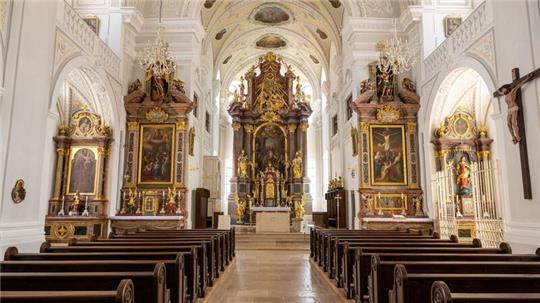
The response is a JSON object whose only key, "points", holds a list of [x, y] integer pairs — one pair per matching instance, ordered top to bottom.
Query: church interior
{"points": [[269, 151]]}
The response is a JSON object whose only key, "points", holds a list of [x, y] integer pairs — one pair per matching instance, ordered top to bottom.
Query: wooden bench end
{"points": [[11, 252], [440, 292], [125, 293]]}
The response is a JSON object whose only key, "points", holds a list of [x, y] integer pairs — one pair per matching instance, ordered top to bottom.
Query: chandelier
{"points": [[395, 55], [156, 58]]}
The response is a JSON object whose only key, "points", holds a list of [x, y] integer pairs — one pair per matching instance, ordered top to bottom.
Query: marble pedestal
{"points": [[274, 222]]}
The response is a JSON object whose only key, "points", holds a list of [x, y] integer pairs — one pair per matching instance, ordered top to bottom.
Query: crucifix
{"points": [[516, 123], [338, 198]]}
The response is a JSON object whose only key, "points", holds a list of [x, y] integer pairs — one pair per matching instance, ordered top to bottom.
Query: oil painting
{"points": [[156, 154], [388, 165], [82, 170]]}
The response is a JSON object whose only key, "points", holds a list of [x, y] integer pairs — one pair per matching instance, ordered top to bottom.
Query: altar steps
{"points": [[272, 241]]}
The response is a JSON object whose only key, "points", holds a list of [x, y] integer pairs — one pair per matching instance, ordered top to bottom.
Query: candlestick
{"points": [[61, 212], [85, 212]]}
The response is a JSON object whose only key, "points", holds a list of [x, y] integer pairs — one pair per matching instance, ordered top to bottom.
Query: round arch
{"points": [[433, 112]]}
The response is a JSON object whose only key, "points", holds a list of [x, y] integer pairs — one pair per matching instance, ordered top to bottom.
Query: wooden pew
{"points": [[225, 237], [214, 250], [336, 253], [190, 262], [174, 268], [212, 268], [201, 271], [382, 273], [376, 276], [356, 284], [150, 286], [416, 287], [124, 293], [440, 293]]}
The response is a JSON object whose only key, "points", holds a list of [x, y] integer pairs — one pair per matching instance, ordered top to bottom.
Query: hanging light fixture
{"points": [[395, 55], [156, 58]]}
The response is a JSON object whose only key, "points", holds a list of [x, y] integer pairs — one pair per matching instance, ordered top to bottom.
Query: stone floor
{"points": [[273, 276]]}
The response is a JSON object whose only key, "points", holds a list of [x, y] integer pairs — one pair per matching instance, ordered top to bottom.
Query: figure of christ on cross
{"points": [[516, 123]]}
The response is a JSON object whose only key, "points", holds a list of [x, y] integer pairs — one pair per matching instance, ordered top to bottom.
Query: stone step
{"points": [[272, 241]]}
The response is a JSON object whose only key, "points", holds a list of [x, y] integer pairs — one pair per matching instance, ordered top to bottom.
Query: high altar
{"points": [[270, 120], [157, 140], [387, 144]]}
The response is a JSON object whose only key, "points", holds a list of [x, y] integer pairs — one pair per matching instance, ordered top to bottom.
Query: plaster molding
{"points": [[367, 25], [73, 26], [469, 32]]}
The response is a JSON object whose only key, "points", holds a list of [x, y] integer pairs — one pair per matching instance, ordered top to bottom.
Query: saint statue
{"points": [[387, 86], [242, 163], [297, 165], [464, 176], [368, 203], [76, 204], [131, 204], [171, 208]]}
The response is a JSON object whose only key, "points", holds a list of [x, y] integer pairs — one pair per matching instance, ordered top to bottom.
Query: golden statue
{"points": [[242, 163], [297, 165], [76, 204], [171, 208], [240, 208], [299, 209]]}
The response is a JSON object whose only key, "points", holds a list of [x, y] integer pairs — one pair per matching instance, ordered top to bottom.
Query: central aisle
{"points": [[273, 276]]}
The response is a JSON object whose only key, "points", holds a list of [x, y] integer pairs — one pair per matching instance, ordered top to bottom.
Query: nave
{"points": [[273, 276]]}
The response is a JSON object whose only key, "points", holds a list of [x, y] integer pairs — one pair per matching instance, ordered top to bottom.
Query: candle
{"points": [[379, 195], [63, 198]]}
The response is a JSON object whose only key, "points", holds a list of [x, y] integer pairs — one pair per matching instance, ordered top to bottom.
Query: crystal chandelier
{"points": [[395, 55], [156, 58]]}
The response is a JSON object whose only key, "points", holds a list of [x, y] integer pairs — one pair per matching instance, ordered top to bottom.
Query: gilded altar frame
{"points": [[73, 150], [171, 152], [403, 153]]}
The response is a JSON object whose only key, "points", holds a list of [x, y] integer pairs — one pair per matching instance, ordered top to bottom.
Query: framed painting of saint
{"points": [[156, 154], [388, 157], [82, 174]]}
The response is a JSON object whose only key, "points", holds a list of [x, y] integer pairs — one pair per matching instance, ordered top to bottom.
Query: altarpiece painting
{"points": [[156, 154], [387, 155], [82, 170]]}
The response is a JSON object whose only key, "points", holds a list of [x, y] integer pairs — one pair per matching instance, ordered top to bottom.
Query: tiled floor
{"points": [[272, 276]]}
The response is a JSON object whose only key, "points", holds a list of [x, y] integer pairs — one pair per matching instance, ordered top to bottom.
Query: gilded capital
{"points": [[181, 125], [133, 126], [236, 126], [304, 126], [364, 127], [411, 127], [248, 128], [292, 128], [61, 151], [103, 151]]}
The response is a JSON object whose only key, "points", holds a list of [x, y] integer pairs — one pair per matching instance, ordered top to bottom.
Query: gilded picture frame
{"points": [[93, 22], [451, 24], [156, 154], [388, 157], [78, 165], [391, 202], [150, 204]]}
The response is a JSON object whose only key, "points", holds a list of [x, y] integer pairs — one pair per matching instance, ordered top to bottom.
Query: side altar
{"points": [[270, 121], [157, 140], [386, 141]]}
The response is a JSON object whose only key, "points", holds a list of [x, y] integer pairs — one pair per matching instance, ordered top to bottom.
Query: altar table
{"points": [[277, 221]]}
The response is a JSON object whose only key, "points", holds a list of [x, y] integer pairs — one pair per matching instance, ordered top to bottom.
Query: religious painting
{"points": [[271, 15], [93, 23], [451, 24], [271, 41], [85, 126], [387, 146], [270, 148], [156, 154], [82, 170], [18, 193], [390, 201], [150, 204]]}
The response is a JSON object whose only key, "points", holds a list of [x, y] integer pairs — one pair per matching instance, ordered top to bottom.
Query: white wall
{"points": [[24, 121]]}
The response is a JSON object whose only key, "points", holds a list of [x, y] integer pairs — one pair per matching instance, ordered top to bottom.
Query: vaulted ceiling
{"points": [[302, 32]]}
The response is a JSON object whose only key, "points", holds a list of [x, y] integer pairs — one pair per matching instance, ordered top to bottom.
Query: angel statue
{"points": [[297, 165], [171, 208]]}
